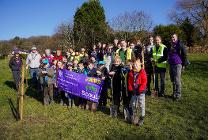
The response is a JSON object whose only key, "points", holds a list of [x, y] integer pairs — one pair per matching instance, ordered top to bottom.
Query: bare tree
{"points": [[196, 11], [132, 22], [65, 31]]}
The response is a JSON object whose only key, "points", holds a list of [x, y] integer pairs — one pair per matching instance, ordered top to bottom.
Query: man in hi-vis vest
{"points": [[159, 57]]}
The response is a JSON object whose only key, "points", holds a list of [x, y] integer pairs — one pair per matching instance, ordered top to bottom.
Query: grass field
{"points": [[165, 118]]}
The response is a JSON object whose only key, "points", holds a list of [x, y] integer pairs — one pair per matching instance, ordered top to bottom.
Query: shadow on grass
{"points": [[10, 84], [34, 91], [169, 97], [14, 109]]}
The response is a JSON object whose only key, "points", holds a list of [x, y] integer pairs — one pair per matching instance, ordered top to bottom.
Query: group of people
{"points": [[126, 68]]}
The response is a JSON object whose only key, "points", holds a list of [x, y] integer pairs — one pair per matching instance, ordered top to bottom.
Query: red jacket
{"points": [[50, 58], [59, 58], [141, 81]]}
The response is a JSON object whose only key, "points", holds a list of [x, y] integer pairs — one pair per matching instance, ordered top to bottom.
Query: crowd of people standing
{"points": [[128, 70]]}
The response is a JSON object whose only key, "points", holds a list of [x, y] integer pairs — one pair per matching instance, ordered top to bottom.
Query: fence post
{"points": [[21, 93]]}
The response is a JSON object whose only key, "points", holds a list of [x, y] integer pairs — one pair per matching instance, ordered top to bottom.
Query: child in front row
{"points": [[102, 72], [91, 73], [46, 79], [137, 81]]}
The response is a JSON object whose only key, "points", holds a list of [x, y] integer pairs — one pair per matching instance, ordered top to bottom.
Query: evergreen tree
{"points": [[90, 26]]}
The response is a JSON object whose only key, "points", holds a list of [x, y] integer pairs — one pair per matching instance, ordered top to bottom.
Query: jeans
{"points": [[161, 73], [34, 74], [175, 76], [17, 78], [149, 78], [48, 94], [137, 105]]}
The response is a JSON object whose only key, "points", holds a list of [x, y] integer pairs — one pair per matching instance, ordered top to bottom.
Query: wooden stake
{"points": [[143, 48], [26, 72], [21, 93]]}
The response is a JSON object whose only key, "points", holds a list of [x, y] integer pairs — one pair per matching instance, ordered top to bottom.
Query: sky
{"points": [[25, 18]]}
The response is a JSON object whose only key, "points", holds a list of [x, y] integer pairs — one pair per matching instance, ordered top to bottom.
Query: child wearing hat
{"points": [[15, 65], [91, 73], [102, 73], [47, 74]]}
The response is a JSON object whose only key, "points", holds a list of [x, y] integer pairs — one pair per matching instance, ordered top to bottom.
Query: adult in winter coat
{"points": [[177, 58], [15, 65]]}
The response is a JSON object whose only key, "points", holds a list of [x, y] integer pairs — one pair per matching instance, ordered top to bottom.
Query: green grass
{"points": [[165, 118]]}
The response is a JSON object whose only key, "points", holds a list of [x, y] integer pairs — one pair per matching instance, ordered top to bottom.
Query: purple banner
{"points": [[79, 85]]}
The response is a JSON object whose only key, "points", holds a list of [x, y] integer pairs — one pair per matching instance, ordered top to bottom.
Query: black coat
{"points": [[15, 64], [117, 78]]}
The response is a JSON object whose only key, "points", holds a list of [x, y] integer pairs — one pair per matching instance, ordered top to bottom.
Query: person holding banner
{"points": [[82, 70], [91, 73], [102, 73], [46, 79], [63, 98]]}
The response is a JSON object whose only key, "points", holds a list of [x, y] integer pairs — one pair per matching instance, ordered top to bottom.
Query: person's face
{"points": [[174, 38], [151, 40], [158, 40], [115, 42], [139, 42], [123, 44], [99, 45], [104, 45], [119, 45], [132, 45], [94, 47], [71, 50], [82, 50], [34, 51], [47, 52], [58, 52], [77, 53], [17, 55], [86, 55], [64, 59], [93, 59], [54, 62], [75, 62], [117, 62], [46, 65], [60, 65], [80, 65], [130, 65], [91, 66], [101, 66], [137, 66], [70, 68]]}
